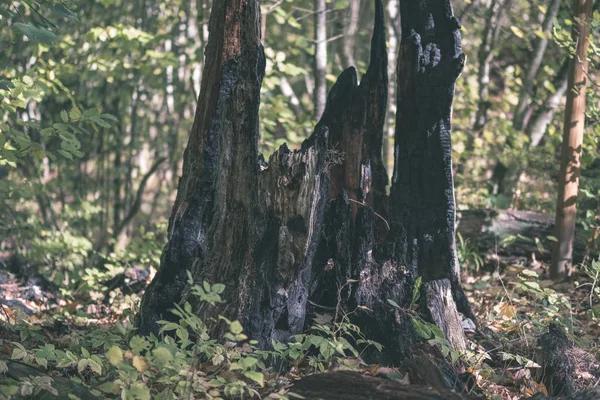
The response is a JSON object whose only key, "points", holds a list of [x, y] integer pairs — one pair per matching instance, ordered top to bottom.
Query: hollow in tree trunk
{"points": [[313, 221]]}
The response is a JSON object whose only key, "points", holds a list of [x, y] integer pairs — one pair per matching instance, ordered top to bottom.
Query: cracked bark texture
{"points": [[299, 227]]}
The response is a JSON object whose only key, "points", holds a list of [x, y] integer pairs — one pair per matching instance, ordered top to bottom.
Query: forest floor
{"points": [[75, 334]]}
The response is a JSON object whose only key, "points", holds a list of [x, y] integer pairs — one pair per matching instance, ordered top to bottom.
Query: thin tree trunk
{"points": [[393, 13], [493, 26], [350, 30], [320, 62], [288, 91], [522, 111], [536, 129], [568, 188]]}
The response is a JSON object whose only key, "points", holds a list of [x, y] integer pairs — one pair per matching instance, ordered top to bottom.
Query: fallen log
{"points": [[516, 233], [346, 385], [54, 387]]}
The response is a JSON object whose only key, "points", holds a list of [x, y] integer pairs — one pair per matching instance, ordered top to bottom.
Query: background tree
{"points": [[566, 206]]}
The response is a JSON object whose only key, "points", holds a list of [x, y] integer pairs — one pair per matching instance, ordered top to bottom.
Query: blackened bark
{"points": [[220, 173], [422, 194], [310, 222]]}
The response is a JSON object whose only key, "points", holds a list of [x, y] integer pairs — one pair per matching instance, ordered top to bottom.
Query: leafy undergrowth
{"points": [[91, 340]]}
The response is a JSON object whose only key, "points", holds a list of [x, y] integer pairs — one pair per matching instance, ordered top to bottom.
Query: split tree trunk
{"points": [[315, 220]]}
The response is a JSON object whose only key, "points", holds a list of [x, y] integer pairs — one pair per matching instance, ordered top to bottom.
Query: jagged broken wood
{"points": [[320, 217]]}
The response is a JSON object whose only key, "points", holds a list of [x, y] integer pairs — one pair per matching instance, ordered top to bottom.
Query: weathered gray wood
{"points": [[488, 229], [345, 385]]}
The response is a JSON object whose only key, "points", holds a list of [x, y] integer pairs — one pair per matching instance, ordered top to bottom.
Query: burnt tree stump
{"points": [[319, 217]]}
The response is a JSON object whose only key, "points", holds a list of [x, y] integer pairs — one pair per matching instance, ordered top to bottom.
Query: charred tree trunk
{"points": [[422, 193], [318, 219]]}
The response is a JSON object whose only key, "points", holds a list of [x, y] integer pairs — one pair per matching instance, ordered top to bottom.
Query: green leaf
{"points": [[63, 12], [6, 13], [517, 32], [36, 34], [27, 80], [6, 85], [75, 114], [64, 116], [61, 127], [47, 131], [65, 154], [530, 273], [218, 288], [417, 290], [393, 303], [171, 326], [236, 328], [421, 329], [437, 332], [182, 334], [139, 344], [19, 352], [114, 355], [162, 355], [42, 362], [249, 362], [82, 365], [95, 366], [257, 377], [109, 387], [139, 391]]}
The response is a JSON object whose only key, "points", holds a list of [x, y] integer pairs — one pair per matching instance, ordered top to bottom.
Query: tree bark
{"points": [[393, 13], [493, 26], [350, 30], [520, 120], [536, 129], [568, 187], [422, 193], [317, 223]]}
